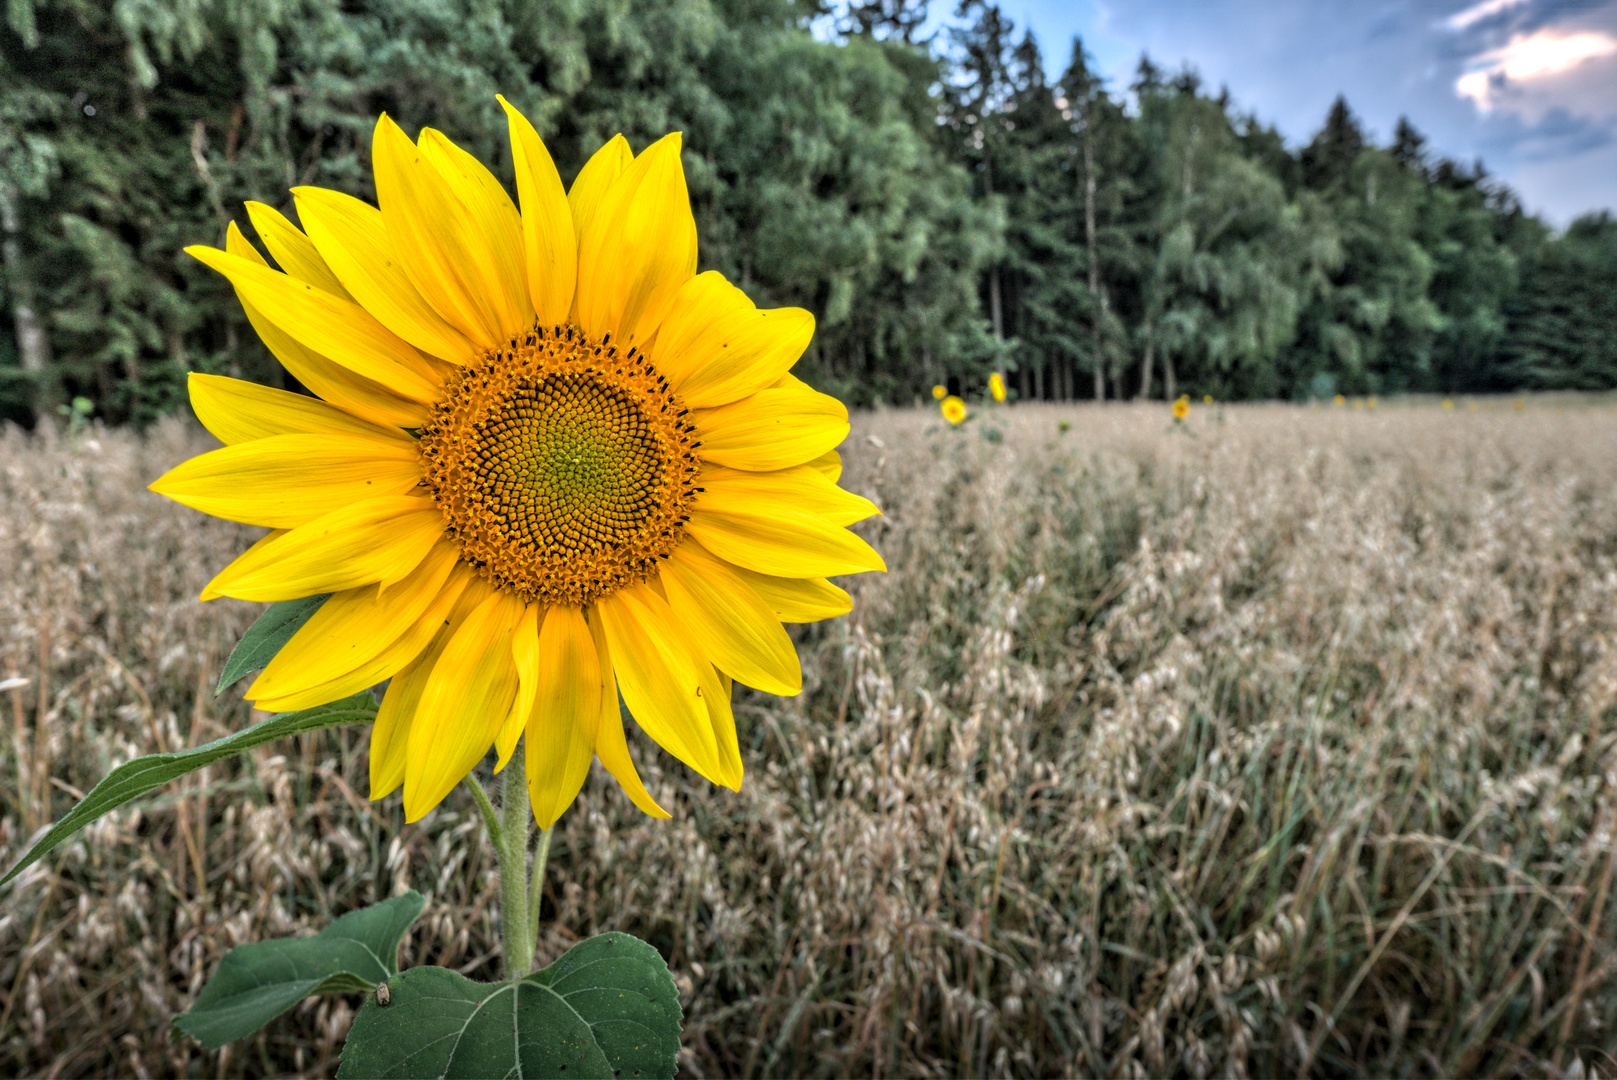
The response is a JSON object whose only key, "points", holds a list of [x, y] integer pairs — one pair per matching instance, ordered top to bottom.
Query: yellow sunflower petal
{"points": [[595, 179], [547, 222], [352, 237], [437, 238], [494, 241], [637, 249], [294, 251], [332, 327], [715, 347], [332, 382], [238, 411], [772, 429], [829, 464], [287, 480], [803, 489], [379, 540], [787, 543], [797, 600], [729, 623], [354, 627], [525, 655], [385, 664], [657, 676], [716, 689], [465, 702], [566, 712], [390, 734], [610, 745]]}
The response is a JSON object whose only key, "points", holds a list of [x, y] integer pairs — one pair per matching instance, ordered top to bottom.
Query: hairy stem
{"points": [[512, 845]]}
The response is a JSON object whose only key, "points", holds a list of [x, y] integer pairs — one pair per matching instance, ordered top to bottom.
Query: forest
{"points": [[942, 206]]}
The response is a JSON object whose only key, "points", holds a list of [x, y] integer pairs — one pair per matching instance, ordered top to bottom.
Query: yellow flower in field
{"points": [[996, 386], [939, 392], [1207, 399], [1339, 401], [1372, 402], [1448, 404], [1518, 404], [1181, 408], [953, 409], [552, 465]]}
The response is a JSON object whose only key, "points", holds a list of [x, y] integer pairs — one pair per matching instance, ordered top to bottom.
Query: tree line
{"points": [[942, 206]]}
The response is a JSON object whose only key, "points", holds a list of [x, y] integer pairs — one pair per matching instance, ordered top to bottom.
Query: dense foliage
{"points": [[940, 205]]}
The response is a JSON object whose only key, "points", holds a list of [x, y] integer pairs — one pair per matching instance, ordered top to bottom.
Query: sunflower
{"points": [[996, 386], [939, 392], [1181, 408], [953, 409], [549, 464]]}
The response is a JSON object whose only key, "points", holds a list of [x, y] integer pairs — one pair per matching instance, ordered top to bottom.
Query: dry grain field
{"points": [[1281, 741]]}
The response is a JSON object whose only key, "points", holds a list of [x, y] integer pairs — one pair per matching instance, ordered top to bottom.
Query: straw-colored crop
{"points": [[1287, 747]]}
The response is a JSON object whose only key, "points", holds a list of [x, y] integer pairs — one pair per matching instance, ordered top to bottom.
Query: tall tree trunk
{"points": [[1096, 293], [995, 309], [33, 344], [1145, 370], [1167, 374], [1038, 382]]}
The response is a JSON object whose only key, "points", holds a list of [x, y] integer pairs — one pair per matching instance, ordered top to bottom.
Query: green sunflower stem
{"points": [[512, 844], [536, 890]]}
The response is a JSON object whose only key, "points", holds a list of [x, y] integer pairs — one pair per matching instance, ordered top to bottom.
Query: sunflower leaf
{"points": [[266, 637], [133, 779], [257, 982], [608, 1008]]}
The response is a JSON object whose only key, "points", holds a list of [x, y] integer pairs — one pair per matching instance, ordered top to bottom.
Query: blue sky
{"points": [[1529, 86]]}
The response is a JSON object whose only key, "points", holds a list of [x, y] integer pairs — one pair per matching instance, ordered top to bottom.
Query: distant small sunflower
{"points": [[996, 386], [939, 392], [1207, 399], [1339, 401], [1372, 403], [1448, 404], [1181, 408], [953, 409], [549, 464]]}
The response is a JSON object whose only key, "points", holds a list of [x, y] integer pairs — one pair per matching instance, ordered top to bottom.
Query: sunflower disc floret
{"points": [[565, 470]]}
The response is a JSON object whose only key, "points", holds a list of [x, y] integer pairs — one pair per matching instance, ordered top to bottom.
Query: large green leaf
{"points": [[266, 637], [135, 778], [256, 983], [606, 1009]]}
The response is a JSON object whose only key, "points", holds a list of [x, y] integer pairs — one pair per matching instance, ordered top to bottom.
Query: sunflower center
{"points": [[564, 469]]}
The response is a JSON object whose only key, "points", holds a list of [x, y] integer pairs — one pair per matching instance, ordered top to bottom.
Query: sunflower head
{"points": [[996, 386], [939, 392], [1207, 399], [1339, 401], [1181, 408], [953, 409], [547, 466]]}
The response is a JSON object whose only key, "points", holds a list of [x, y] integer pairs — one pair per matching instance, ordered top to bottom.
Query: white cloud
{"points": [[1477, 12], [1528, 58]]}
